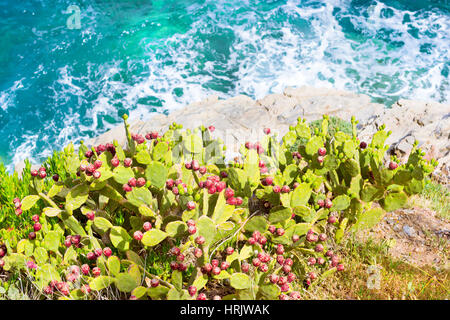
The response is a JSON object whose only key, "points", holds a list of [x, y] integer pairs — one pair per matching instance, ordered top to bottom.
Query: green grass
{"points": [[436, 197]]}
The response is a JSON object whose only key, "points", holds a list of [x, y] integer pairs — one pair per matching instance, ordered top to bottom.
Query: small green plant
{"points": [[167, 218]]}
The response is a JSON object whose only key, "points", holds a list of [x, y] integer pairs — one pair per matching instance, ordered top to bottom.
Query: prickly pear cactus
{"points": [[167, 218]]}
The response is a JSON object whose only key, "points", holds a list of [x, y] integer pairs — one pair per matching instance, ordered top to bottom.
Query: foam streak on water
{"points": [[59, 85]]}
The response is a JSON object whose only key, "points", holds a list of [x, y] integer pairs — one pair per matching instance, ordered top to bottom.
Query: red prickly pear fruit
{"points": [[211, 128], [267, 130], [248, 145], [363, 145], [322, 152], [115, 162], [127, 162], [97, 164], [261, 164], [188, 165], [195, 165], [393, 165], [90, 168], [202, 170], [263, 170], [34, 173], [42, 174], [96, 174], [223, 174], [55, 177], [268, 181], [132, 182], [140, 182], [169, 183], [221, 185], [127, 188], [276, 189], [285, 189], [212, 190], [229, 193], [232, 201], [239, 201], [321, 203], [328, 203], [190, 205], [90, 215], [35, 218], [332, 219], [37, 226], [147, 226], [192, 229], [272, 229], [280, 231], [256, 234], [32, 235], [138, 235], [322, 237], [295, 238], [75, 239], [200, 240], [262, 240], [251, 241], [67, 243], [318, 248], [280, 249], [229, 250], [175, 251], [98, 252], [107, 252], [198, 252], [329, 253], [91, 256], [180, 257], [280, 259], [320, 260], [312, 261], [215, 262], [256, 262], [289, 262], [174, 265], [224, 265], [182, 267], [245, 267], [263, 267], [340, 267], [207, 268], [286, 268], [85, 269], [216, 270], [312, 275], [291, 277], [273, 278], [282, 280], [154, 283], [284, 287], [192, 290], [295, 295], [201, 296], [217, 297]]}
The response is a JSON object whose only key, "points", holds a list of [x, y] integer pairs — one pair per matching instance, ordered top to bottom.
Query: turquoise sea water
{"points": [[59, 84]]}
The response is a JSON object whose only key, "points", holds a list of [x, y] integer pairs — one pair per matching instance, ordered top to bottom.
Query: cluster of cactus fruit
{"points": [[264, 226]]}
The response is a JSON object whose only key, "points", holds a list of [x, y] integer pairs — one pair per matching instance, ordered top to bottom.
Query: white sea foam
{"points": [[317, 51]]}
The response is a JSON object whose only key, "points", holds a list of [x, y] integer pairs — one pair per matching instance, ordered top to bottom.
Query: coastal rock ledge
{"points": [[240, 117]]}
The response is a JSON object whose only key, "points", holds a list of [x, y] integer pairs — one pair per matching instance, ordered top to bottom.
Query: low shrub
{"points": [[167, 218]]}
